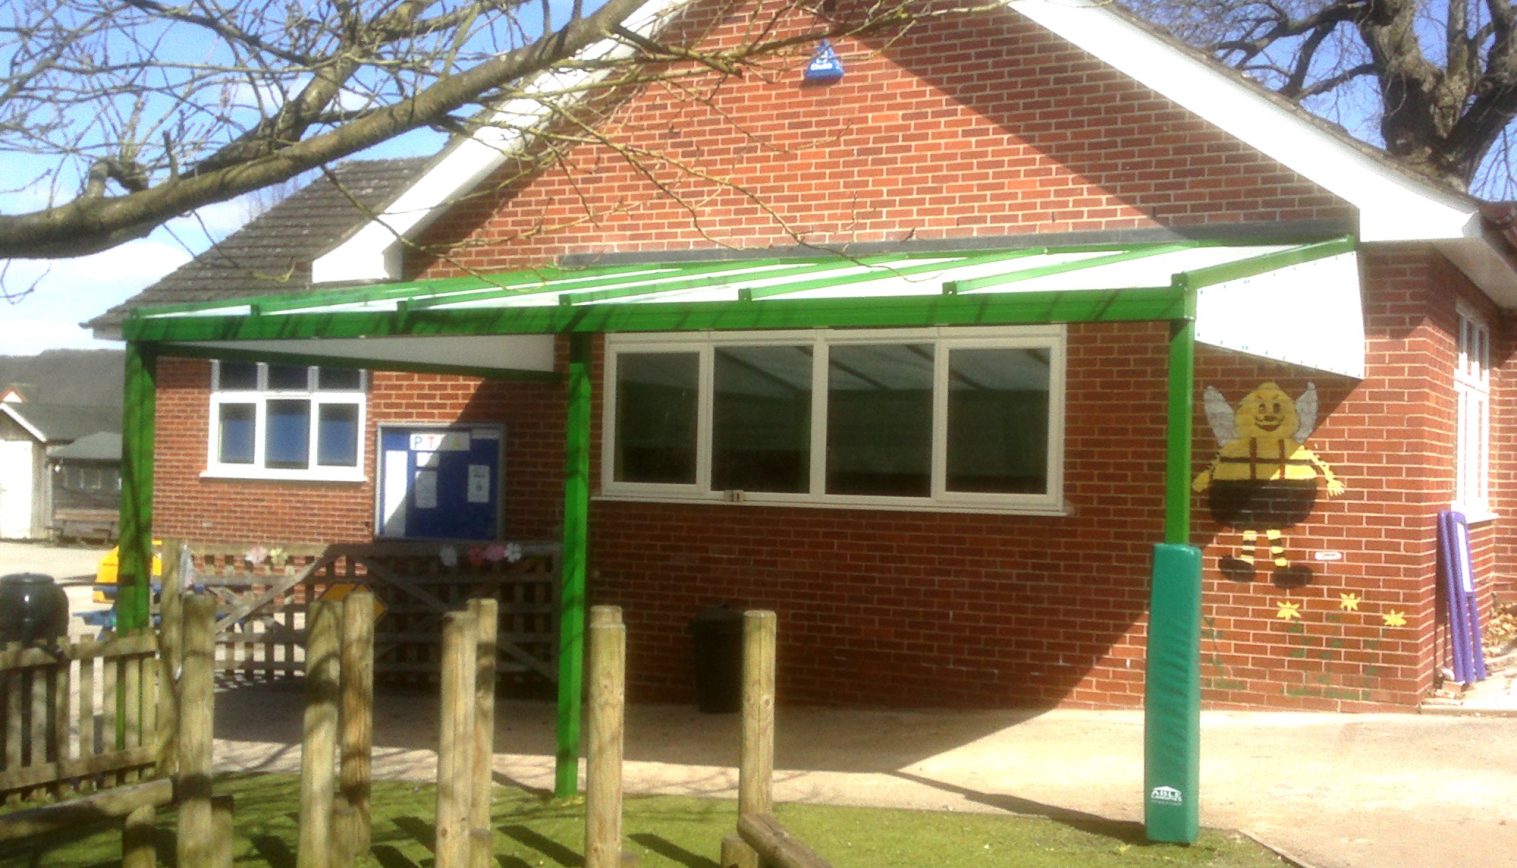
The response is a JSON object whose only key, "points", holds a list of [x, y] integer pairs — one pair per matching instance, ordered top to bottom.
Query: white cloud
{"points": [[57, 295]]}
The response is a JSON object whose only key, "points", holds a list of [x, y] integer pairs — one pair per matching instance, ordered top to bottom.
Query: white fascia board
{"points": [[1392, 206], [373, 252], [1485, 266], [5, 407]]}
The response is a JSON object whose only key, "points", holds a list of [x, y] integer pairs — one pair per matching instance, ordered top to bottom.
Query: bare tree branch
{"points": [[152, 108]]}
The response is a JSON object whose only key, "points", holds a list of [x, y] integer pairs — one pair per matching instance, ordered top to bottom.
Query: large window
{"points": [[1472, 389], [925, 419], [286, 421]]}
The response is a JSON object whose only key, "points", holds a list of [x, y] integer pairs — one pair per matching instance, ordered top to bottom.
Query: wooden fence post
{"points": [[486, 613], [170, 652], [197, 694], [456, 740], [318, 749], [756, 762], [603, 777], [351, 824], [137, 838]]}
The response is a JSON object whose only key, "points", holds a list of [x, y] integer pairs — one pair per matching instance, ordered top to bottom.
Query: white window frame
{"points": [[1053, 338], [1472, 393], [259, 396]]}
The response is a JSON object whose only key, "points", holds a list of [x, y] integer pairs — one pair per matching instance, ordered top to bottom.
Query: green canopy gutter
{"points": [[488, 325]]}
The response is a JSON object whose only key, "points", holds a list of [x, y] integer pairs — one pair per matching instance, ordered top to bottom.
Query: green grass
{"points": [[666, 830]]}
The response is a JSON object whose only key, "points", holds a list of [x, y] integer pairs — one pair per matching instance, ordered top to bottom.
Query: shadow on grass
{"points": [[420, 830], [1126, 831], [547, 846], [274, 850], [672, 851], [389, 857]]}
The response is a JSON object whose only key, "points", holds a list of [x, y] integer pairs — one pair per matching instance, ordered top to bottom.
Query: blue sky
{"points": [[66, 292]]}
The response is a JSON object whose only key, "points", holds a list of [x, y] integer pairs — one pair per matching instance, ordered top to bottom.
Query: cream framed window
{"points": [[1472, 390], [964, 419], [279, 421]]}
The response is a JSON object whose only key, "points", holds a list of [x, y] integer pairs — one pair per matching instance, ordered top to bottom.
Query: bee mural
{"points": [[1263, 479]]}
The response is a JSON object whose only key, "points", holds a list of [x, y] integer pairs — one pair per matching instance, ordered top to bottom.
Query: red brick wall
{"points": [[986, 126], [980, 129], [189, 505]]}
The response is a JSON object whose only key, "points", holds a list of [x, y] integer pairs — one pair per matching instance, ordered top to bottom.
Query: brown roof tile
{"points": [[273, 252]]}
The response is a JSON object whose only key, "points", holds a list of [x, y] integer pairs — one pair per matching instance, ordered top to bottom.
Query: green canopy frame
{"points": [[996, 288]]}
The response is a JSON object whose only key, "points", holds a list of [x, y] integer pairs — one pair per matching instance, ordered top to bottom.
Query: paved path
{"points": [[1328, 789]]}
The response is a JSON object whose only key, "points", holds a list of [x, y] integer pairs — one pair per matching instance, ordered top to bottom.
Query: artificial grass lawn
{"points": [[665, 830]]}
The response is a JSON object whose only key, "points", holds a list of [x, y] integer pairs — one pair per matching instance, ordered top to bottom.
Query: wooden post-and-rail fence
{"points": [[132, 719], [338, 732], [466, 744], [761, 840]]}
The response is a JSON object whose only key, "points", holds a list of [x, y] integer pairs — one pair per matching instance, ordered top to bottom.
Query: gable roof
{"points": [[1394, 204], [273, 252], [78, 377], [59, 423], [100, 446]]}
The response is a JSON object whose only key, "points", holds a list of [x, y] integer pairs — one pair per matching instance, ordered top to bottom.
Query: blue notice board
{"points": [[440, 482]]}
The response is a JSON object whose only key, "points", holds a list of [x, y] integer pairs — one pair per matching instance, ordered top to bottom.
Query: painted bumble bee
{"points": [[1263, 479]]}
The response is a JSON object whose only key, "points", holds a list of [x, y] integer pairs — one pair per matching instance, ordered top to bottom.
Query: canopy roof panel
{"points": [[498, 322]]}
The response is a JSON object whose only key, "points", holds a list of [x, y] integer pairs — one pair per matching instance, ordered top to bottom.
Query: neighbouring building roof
{"points": [[273, 252], [78, 377], [61, 423], [100, 446]]}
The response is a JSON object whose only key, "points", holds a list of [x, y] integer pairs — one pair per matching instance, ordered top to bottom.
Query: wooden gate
{"points": [[262, 595]]}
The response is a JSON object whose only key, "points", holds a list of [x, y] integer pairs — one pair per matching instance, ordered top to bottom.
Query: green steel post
{"points": [[1182, 389], [133, 596], [571, 620], [1172, 686]]}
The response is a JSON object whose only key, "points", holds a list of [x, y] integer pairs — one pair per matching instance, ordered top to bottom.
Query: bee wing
{"points": [[1306, 412], [1219, 414]]}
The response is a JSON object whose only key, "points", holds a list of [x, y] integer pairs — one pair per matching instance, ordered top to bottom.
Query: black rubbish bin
{"points": [[32, 608], [716, 634]]}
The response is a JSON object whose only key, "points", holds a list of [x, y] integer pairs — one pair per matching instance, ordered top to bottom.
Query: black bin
{"points": [[32, 608], [716, 634]]}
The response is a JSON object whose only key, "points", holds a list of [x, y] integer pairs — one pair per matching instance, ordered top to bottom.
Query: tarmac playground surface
{"points": [[1322, 789]]}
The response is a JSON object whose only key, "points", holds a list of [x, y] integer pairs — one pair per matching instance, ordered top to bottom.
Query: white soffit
{"points": [[1392, 206], [372, 252], [1307, 314], [485, 352]]}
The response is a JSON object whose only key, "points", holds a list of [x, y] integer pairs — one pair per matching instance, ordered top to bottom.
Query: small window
{"points": [[1472, 391], [964, 419], [286, 421]]}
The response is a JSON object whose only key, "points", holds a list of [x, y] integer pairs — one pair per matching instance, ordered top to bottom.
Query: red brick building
{"points": [[928, 545]]}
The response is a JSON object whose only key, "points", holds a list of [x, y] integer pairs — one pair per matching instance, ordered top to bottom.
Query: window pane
{"points": [[237, 375], [289, 377], [339, 378], [655, 417], [761, 419], [879, 420], [998, 421], [236, 427], [337, 435], [288, 438]]}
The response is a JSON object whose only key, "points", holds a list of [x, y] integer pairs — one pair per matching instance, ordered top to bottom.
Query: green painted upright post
{"points": [[134, 574], [571, 621], [1172, 687]]}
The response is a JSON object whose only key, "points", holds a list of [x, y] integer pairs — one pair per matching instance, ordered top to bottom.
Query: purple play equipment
{"points": [[1459, 585]]}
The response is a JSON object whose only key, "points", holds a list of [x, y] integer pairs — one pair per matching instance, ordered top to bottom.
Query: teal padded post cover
{"points": [[1172, 697]]}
